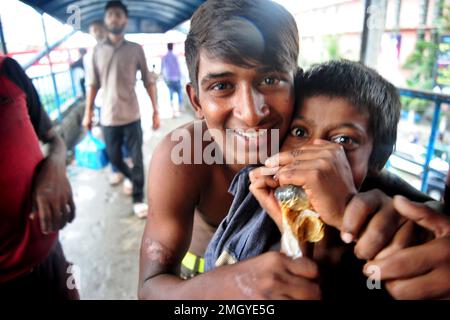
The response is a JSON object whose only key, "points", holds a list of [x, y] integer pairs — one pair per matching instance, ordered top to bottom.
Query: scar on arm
{"points": [[155, 251], [245, 282]]}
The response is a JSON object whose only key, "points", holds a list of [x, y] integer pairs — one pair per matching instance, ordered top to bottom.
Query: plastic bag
{"points": [[91, 153], [300, 223]]}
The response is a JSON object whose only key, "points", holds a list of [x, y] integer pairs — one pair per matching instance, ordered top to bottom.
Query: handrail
{"points": [[45, 51], [68, 92], [424, 94], [438, 99]]}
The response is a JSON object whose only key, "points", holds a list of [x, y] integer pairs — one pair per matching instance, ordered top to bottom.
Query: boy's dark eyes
{"points": [[270, 80], [220, 86], [299, 132], [344, 140]]}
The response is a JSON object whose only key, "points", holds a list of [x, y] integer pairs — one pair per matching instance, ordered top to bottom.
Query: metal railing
{"points": [[58, 91], [438, 99]]}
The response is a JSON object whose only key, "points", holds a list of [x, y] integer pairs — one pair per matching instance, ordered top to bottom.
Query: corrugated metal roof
{"points": [[144, 16]]}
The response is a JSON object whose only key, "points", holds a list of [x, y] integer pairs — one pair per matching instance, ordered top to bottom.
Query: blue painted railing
{"points": [[58, 96], [438, 99]]}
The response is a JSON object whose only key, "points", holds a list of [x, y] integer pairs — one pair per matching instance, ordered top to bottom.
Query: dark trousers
{"points": [[175, 87], [129, 135], [49, 281]]}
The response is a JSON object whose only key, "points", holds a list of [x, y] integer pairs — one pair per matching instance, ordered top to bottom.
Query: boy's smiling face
{"points": [[242, 106], [334, 120]]}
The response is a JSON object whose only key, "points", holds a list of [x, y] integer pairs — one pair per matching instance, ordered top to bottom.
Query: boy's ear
{"points": [[193, 97]]}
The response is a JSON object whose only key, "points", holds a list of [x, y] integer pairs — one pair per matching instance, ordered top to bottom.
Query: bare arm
{"points": [[150, 86], [152, 93], [89, 111], [173, 194], [168, 230]]}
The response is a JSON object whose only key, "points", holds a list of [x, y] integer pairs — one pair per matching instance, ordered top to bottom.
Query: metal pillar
{"points": [[374, 24], [365, 31], [2, 39], [55, 87], [430, 149]]}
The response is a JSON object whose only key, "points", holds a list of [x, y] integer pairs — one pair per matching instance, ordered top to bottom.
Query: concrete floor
{"points": [[103, 241]]}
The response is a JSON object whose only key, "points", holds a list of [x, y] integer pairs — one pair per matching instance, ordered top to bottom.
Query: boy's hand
{"points": [[322, 169], [262, 186], [371, 220], [422, 271], [272, 275]]}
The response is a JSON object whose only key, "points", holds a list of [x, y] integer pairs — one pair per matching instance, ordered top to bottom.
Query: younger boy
{"points": [[347, 112]]}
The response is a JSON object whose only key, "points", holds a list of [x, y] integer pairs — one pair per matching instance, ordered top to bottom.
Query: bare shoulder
{"points": [[177, 156]]}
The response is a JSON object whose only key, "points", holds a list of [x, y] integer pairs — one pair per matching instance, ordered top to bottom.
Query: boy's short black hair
{"points": [[116, 4], [244, 33], [170, 46], [364, 88]]}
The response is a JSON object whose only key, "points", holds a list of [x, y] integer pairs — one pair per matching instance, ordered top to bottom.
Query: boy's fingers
{"points": [[306, 152], [282, 158], [303, 165], [262, 171], [291, 176], [259, 183], [267, 200], [359, 209], [426, 217], [379, 232], [404, 238], [411, 262], [303, 267], [424, 287], [299, 288]]}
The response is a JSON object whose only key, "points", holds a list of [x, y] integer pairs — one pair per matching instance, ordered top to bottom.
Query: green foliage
{"points": [[332, 46], [422, 63]]}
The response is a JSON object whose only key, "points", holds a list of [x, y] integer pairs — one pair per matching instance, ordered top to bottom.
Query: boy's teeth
{"points": [[251, 133]]}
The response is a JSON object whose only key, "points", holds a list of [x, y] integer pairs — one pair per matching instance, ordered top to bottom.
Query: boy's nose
{"points": [[251, 108]]}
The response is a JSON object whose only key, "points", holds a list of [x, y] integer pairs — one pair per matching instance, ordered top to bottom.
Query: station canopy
{"points": [[145, 16]]}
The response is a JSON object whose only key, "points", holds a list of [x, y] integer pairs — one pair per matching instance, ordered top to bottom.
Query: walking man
{"points": [[114, 66], [170, 69]]}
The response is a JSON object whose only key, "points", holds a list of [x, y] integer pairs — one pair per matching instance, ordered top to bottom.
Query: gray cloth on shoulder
{"points": [[247, 231]]}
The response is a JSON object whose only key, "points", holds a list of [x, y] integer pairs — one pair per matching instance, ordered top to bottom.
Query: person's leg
{"points": [[83, 86], [170, 87], [180, 95], [114, 137], [133, 139]]}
